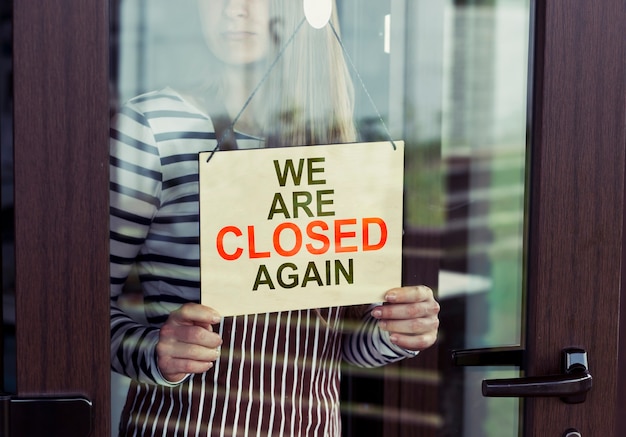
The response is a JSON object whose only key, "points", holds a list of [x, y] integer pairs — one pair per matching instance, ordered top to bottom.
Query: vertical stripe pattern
{"points": [[278, 373]]}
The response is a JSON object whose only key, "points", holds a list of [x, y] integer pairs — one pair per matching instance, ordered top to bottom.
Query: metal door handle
{"points": [[571, 386]]}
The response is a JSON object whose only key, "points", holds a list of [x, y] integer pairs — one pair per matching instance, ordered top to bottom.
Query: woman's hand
{"points": [[410, 316], [187, 342]]}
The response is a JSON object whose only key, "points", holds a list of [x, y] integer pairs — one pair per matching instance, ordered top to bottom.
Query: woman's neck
{"points": [[238, 84]]}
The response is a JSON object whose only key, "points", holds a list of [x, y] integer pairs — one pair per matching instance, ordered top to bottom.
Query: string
{"points": [[271, 67], [360, 79], [258, 86], [380, 117]]}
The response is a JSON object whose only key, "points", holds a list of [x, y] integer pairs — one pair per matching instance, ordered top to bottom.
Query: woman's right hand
{"points": [[187, 342]]}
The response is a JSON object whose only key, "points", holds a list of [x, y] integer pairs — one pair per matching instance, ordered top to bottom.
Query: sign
{"points": [[300, 227]]}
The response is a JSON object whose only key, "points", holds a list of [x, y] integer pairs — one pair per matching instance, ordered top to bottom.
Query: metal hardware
{"points": [[499, 356], [571, 386], [45, 416], [572, 433]]}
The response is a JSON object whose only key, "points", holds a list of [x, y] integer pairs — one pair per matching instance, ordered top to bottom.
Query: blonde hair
{"points": [[310, 89], [307, 95]]}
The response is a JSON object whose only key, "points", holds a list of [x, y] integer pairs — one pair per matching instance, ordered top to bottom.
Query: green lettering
{"points": [[311, 170], [281, 174], [321, 202], [304, 204], [278, 207], [327, 272], [311, 274], [348, 275], [293, 276], [262, 278]]}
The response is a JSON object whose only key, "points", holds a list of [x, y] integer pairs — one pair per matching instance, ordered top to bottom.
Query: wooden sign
{"points": [[300, 227]]}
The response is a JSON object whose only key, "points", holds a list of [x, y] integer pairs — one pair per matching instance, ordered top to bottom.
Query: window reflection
{"points": [[450, 78], [484, 149]]}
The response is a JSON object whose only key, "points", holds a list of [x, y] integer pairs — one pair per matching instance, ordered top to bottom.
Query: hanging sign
{"points": [[300, 227]]}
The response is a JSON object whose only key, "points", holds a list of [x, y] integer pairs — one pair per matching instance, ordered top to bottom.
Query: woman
{"points": [[193, 372]]}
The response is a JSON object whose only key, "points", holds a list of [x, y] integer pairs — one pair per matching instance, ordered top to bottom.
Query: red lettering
{"points": [[366, 234], [340, 235], [315, 236], [349, 236], [220, 243], [298, 243], [251, 246]]}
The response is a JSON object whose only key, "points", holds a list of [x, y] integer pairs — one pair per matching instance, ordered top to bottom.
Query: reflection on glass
{"points": [[450, 79], [484, 150]]}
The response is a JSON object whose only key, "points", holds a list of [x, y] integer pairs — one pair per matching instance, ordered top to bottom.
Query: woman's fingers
{"points": [[194, 314], [410, 315], [187, 342]]}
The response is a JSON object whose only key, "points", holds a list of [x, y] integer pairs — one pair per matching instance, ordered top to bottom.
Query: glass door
{"points": [[450, 79], [484, 151], [513, 210]]}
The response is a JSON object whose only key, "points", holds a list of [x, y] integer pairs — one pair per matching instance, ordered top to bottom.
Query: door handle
{"points": [[571, 386]]}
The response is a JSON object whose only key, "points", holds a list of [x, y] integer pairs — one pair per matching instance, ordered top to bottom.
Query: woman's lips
{"points": [[237, 35]]}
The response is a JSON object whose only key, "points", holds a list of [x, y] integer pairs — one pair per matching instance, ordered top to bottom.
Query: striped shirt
{"points": [[278, 374]]}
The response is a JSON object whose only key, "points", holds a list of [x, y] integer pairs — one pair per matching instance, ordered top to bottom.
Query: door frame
{"points": [[578, 139], [61, 155]]}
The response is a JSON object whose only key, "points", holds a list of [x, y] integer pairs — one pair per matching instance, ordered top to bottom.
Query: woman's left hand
{"points": [[410, 315]]}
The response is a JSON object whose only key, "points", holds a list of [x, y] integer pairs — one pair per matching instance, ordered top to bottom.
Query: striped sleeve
{"points": [[135, 183], [366, 345]]}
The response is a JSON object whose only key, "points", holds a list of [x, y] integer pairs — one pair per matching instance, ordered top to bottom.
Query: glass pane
{"points": [[447, 78], [484, 151]]}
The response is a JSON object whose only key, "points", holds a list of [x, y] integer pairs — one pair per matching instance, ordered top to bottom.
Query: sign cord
{"points": [[271, 67], [362, 83], [258, 86]]}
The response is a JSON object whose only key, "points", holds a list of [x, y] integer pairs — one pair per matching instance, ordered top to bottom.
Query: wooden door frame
{"points": [[61, 127], [61, 203], [576, 222]]}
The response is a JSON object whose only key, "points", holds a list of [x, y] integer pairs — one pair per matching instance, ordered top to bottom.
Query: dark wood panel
{"points": [[61, 200], [577, 204]]}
